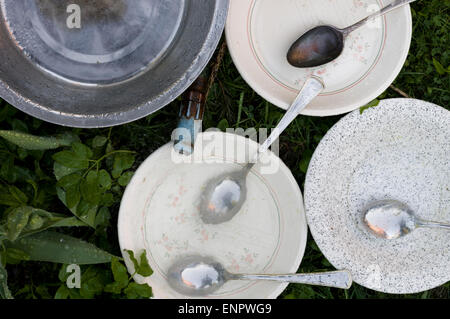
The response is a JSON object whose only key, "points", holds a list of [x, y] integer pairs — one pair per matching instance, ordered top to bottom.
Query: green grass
{"points": [[233, 103]]}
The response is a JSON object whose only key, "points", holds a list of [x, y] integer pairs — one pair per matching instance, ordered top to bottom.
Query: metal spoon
{"points": [[325, 43], [225, 194], [392, 219], [201, 276]]}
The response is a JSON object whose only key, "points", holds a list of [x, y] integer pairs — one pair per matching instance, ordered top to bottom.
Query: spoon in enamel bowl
{"points": [[392, 219]]}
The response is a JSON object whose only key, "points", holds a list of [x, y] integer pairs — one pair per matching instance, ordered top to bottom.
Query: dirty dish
{"points": [[398, 150], [159, 213]]}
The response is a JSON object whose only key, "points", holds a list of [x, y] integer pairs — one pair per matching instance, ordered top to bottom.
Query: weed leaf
{"points": [[31, 142], [122, 162], [54, 247]]}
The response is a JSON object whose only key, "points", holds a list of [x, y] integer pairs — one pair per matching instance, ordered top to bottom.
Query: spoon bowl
{"points": [[318, 46], [223, 197], [391, 219], [196, 276]]}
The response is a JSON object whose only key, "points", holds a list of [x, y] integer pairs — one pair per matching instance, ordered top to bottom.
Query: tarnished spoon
{"points": [[325, 43], [224, 195], [392, 219], [202, 276]]}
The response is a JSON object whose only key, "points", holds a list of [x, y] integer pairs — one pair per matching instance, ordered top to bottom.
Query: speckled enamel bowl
{"points": [[398, 150]]}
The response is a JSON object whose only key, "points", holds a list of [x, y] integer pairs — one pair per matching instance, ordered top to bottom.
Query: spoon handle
{"points": [[394, 5], [313, 86], [428, 224], [336, 279]]}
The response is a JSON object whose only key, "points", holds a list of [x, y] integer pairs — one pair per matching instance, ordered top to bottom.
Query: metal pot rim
{"points": [[118, 118]]}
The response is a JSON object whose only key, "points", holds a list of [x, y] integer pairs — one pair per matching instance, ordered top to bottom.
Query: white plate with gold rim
{"points": [[260, 32], [159, 213]]}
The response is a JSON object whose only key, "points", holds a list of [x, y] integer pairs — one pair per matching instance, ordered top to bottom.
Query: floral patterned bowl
{"points": [[259, 34], [159, 213]]}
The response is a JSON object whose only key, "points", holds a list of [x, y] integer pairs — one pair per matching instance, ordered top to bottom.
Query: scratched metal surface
{"points": [[126, 61]]}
